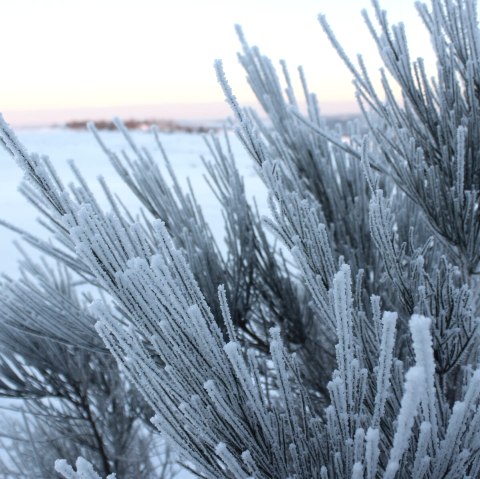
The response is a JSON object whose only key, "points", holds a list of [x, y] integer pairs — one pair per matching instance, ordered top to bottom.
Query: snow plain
{"points": [[60, 145]]}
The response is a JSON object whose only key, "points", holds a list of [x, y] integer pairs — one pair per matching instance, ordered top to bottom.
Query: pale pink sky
{"points": [[153, 58]]}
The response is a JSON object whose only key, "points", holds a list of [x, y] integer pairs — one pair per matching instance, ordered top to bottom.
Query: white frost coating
{"points": [[13, 145], [460, 161], [342, 305], [227, 318], [387, 344], [422, 345], [231, 348], [277, 352], [242, 372], [414, 382], [209, 384], [472, 435], [359, 444], [450, 445], [220, 448], [422, 449], [372, 452], [230, 461], [250, 463], [63, 468], [84, 470], [357, 471]]}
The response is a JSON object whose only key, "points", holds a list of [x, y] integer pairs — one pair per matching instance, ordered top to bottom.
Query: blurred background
{"points": [[67, 60]]}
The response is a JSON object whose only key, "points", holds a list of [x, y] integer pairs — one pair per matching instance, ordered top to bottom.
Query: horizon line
{"points": [[188, 111]]}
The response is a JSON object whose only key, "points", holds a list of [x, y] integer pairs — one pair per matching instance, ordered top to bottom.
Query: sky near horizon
{"points": [[65, 59]]}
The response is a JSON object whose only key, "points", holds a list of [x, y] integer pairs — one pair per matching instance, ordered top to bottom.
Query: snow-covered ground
{"points": [[61, 145], [184, 151]]}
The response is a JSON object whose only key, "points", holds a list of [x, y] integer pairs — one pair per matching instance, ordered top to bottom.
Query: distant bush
{"points": [[167, 126]]}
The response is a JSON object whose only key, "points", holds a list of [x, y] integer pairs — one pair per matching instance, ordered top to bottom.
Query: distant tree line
{"points": [[166, 126]]}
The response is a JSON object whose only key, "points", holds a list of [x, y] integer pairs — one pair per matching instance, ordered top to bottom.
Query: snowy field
{"points": [[61, 145]]}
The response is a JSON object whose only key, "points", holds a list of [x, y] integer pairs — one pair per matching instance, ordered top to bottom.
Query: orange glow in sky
{"points": [[66, 59]]}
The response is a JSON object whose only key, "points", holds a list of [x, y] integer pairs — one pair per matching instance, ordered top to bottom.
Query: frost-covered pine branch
{"points": [[429, 139], [354, 352], [77, 401]]}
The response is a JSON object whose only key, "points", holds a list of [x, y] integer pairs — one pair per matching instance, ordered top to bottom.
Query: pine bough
{"points": [[360, 360]]}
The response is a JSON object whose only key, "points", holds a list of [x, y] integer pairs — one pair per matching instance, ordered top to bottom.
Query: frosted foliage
{"points": [[428, 141], [351, 350], [53, 358], [414, 381], [84, 470]]}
